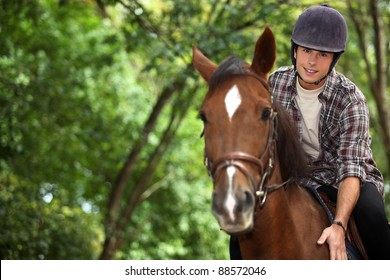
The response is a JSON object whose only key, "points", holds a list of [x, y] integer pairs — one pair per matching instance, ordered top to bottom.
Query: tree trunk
{"points": [[379, 85]]}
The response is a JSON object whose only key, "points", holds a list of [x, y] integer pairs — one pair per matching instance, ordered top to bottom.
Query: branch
{"points": [[147, 24]]}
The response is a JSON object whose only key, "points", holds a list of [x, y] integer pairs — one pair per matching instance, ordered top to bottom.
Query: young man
{"points": [[332, 118]]}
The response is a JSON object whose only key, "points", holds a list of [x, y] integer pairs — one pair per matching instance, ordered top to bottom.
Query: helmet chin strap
{"points": [[313, 83]]}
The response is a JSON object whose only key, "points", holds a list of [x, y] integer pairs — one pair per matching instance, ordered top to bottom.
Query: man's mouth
{"points": [[310, 71]]}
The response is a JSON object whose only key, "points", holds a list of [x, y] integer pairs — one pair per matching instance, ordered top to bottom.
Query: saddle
{"points": [[353, 241]]}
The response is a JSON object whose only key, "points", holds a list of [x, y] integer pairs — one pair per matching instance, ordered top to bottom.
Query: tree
{"points": [[372, 42], [47, 96]]}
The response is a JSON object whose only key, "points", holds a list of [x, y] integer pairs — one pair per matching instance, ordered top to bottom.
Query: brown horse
{"points": [[253, 157]]}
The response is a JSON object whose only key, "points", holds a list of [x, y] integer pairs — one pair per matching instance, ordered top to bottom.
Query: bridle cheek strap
{"points": [[236, 159]]}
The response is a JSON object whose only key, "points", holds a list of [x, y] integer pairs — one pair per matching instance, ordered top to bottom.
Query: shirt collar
{"points": [[330, 84]]}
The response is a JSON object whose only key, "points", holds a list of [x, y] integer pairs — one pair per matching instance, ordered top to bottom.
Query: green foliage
{"points": [[62, 73], [77, 84], [182, 190], [32, 228]]}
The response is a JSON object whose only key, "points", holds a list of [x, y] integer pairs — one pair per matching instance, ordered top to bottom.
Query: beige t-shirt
{"points": [[310, 107]]}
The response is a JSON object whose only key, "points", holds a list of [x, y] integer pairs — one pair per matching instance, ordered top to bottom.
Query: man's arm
{"points": [[348, 194]]}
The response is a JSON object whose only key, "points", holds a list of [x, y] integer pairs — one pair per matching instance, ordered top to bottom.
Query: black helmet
{"points": [[320, 28]]}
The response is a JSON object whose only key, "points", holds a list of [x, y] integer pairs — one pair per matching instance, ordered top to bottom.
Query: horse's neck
{"points": [[289, 219], [272, 225]]}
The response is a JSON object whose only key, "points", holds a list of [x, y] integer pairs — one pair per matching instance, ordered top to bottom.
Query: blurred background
{"points": [[100, 148]]}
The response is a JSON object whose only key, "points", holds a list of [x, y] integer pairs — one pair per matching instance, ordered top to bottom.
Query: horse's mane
{"points": [[231, 66], [291, 157]]}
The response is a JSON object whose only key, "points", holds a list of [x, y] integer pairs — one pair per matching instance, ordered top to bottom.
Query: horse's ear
{"points": [[265, 53], [201, 63]]}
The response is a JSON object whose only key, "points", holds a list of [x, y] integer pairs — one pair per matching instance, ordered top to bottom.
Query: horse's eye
{"points": [[266, 114], [202, 117]]}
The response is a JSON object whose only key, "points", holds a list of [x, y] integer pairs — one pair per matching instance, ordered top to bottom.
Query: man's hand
{"points": [[334, 236]]}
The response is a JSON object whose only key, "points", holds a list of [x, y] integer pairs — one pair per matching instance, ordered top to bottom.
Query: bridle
{"points": [[237, 159]]}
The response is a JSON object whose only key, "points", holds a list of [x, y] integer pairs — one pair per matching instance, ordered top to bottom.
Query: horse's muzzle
{"points": [[234, 210]]}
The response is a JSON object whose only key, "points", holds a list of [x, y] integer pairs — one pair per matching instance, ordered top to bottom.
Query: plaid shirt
{"points": [[343, 129]]}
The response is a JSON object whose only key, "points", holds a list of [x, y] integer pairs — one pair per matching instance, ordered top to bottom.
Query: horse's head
{"points": [[238, 129]]}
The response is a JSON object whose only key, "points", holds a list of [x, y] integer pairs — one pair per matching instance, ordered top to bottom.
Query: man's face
{"points": [[312, 66]]}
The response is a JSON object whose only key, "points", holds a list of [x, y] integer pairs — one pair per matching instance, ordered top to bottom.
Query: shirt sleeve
{"points": [[355, 141]]}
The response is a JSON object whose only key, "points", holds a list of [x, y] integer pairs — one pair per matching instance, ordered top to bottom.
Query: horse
{"points": [[254, 157]]}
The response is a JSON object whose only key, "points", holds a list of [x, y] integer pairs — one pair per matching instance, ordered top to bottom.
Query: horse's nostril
{"points": [[248, 201]]}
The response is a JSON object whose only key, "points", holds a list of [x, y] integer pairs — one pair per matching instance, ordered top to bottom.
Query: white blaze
{"points": [[232, 101], [230, 201]]}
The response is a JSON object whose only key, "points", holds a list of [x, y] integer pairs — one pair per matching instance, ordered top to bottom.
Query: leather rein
{"points": [[237, 159]]}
